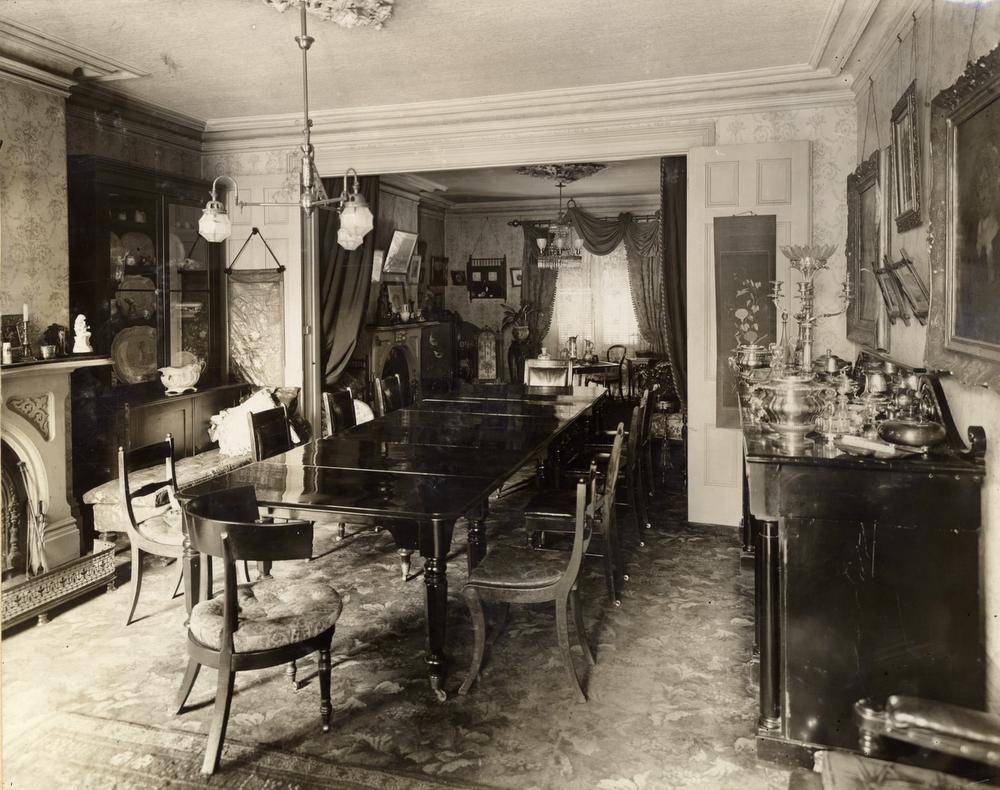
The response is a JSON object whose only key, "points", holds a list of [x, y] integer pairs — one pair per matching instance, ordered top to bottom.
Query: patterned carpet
{"points": [[672, 703]]}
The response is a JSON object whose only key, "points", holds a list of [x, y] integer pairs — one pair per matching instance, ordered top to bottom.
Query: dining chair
{"points": [[615, 353], [388, 394], [338, 410], [270, 432], [631, 471], [550, 511], [159, 532], [509, 574], [262, 624]]}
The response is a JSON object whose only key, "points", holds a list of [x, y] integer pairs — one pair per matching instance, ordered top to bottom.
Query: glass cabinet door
{"points": [[134, 319], [189, 320]]}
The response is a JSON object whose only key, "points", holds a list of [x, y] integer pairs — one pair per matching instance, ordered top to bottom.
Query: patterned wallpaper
{"points": [[832, 131], [34, 245]]}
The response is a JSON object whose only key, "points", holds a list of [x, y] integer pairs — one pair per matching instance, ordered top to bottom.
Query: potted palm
{"points": [[516, 319]]}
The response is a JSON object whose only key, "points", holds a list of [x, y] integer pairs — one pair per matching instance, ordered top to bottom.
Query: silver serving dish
{"points": [[912, 433]]}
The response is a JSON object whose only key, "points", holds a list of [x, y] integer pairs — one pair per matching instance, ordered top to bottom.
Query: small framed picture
{"points": [[397, 257], [413, 274], [458, 277], [477, 277], [515, 278]]}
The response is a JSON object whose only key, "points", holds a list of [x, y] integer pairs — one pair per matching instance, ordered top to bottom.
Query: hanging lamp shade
{"points": [[214, 224]]}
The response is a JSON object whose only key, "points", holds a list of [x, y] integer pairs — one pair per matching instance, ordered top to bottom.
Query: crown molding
{"points": [[833, 13], [850, 31], [876, 48], [60, 57], [44, 81], [677, 98], [413, 182], [387, 186], [432, 208], [535, 208]]}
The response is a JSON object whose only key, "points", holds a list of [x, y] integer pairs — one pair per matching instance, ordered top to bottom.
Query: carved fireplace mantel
{"points": [[35, 429]]}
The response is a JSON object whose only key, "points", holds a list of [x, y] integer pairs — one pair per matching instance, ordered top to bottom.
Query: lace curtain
{"points": [[594, 302]]}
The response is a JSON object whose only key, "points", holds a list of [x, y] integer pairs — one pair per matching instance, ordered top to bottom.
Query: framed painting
{"points": [[906, 160], [863, 251], [745, 252], [397, 257], [439, 271], [516, 278], [964, 324]]}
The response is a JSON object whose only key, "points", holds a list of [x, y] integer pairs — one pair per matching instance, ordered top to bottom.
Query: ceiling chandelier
{"points": [[356, 219], [562, 248]]}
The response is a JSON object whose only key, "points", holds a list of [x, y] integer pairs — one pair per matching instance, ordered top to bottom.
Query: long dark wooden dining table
{"points": [[416, 471]]}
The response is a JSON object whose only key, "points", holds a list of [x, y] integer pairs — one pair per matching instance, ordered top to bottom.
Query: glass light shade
{"points": [[355, 217], [214, 224], [348, 240], [542, 244], [578, 244]]}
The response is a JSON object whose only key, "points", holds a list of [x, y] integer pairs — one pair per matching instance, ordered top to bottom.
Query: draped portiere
{"points": [[673, 199], [643, 253], [344, 281], [538, 286]]}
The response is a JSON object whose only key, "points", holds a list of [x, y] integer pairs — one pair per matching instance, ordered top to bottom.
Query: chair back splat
{"points": [[388, 394], [339, 408], [271, 433]]}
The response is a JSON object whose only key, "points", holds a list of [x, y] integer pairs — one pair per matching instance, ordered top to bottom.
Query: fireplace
{"points": [[42, 564]]}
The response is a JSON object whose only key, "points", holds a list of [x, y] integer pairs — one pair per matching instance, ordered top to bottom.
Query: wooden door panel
{"points": [[762, 178]]}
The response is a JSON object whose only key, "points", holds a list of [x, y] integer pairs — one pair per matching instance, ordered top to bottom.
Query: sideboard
{"points": [[867, 583]]}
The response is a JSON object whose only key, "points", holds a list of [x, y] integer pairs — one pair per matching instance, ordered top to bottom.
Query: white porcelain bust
{"points": [[81, 336]]}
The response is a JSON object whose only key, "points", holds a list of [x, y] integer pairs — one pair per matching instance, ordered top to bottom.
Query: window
{"points": [[594, 302]]}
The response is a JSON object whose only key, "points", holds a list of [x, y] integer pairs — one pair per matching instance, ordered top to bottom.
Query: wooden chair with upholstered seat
{"points": [[615, 353], [388, 394], [338, 410], [271, 432], [631, 475], [551, 511], [158, 531], [515, 575], [258, 625]]}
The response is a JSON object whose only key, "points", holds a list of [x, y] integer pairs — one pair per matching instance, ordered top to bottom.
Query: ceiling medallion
{"points": [[346, 13], [564, 173]]}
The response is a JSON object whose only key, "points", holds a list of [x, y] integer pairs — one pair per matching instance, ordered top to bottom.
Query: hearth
{"points": [[43, 565]]}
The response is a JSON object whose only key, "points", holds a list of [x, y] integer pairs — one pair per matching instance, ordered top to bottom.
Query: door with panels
{"points": [[758, 178]]}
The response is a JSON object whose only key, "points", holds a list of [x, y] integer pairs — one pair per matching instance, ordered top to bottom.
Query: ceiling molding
{"points": [[826, 32], [851, 37], [879, 44], [61, 57], [22, 73], [753, 90], [413, 183], [388, 186], [431, 207], [534, 208]]}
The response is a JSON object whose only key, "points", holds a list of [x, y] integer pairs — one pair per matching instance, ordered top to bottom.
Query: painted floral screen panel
{"points": [[745, 252], [256, 327]]}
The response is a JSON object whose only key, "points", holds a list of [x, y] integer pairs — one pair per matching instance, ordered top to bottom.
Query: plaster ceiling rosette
{"points": [[346, 13], [562, 173]]}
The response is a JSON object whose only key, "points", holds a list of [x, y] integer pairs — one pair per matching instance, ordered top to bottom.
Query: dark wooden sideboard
{"points": [[867, 584]]}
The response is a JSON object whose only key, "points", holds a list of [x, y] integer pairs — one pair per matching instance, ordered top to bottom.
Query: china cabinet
{"points": [[150, 287]]}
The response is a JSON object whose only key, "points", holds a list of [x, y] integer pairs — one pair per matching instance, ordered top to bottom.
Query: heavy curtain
{"points": [[673, 200], [645, 265], [345, 278], [538, 286]]}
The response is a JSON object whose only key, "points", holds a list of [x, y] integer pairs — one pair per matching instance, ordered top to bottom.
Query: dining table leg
{"points": [[435, 552]]}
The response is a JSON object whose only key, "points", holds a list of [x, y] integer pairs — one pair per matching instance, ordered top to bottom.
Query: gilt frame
{"points": [[974, 97], [906, 170], [862, 262]]}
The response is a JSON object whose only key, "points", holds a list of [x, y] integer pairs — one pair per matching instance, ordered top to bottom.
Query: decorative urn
{"points": [[793, 407]]}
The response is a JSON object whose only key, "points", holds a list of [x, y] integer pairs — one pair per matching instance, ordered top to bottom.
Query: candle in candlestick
{"points": [[25, 312]]}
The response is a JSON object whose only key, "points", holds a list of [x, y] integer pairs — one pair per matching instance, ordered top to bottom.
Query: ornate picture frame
{"points": [[906, 174], [863, 251], [397, 257], [964, 325]]}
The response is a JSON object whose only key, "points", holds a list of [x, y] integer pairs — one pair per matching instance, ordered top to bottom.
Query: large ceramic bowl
{"points": [[183, 376]]}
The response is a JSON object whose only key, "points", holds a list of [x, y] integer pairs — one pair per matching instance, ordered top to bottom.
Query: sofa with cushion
{"points": [[225, 445]]}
